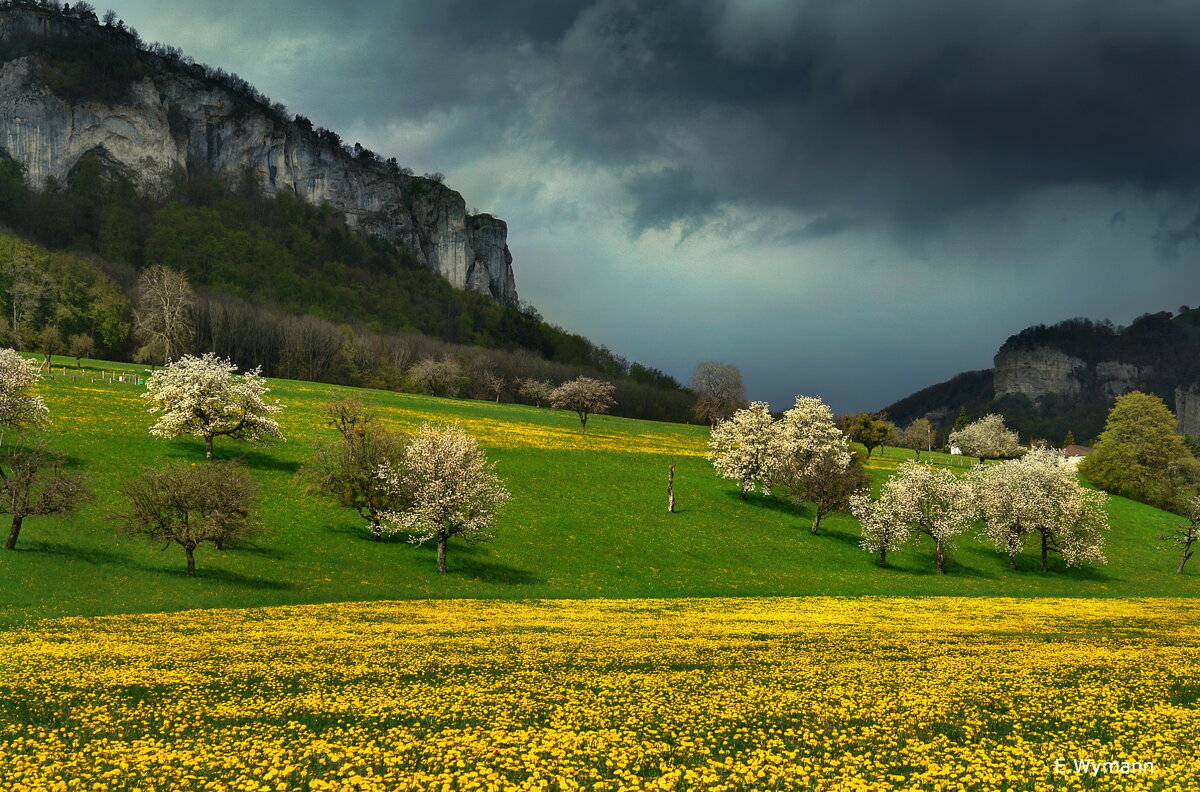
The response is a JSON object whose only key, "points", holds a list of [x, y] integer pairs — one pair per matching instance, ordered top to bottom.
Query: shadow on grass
{"points": [[251, 458], [767, 502], [361, 532], [108, 558], [491, 572], [218, 575]]}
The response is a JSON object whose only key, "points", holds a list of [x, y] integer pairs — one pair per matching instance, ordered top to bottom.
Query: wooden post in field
{"points": [[671, 490]]}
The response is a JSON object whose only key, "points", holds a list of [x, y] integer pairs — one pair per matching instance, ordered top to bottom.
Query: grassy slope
{"points": [[587, 519]]}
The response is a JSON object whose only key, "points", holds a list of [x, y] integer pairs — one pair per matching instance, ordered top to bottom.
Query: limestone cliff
{"points": [[174, 121], [1045, 371]]}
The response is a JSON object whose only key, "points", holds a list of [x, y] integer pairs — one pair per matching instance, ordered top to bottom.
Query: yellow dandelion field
{"points": [[723, 694]]}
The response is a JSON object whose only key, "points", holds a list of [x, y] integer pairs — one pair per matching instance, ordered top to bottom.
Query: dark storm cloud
{"points": [[900, 112]]}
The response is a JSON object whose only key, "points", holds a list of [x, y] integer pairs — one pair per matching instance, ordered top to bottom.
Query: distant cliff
{"points": [[72, 89], [1048, 380]]}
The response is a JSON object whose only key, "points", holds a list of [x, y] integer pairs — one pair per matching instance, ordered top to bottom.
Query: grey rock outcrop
{"points": [[174, 122], [1036, 373], [1187, 410]]}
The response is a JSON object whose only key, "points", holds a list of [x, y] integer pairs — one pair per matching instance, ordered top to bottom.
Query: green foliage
{"points": [[872, 430], [1140, 456], [585, 521]]}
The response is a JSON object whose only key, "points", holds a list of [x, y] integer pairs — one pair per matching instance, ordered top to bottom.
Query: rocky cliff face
{"points": [[173, 122], [1045, 371]]}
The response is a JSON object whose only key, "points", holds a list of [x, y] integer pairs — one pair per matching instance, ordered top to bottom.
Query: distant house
{"points": [[1074, 453]]}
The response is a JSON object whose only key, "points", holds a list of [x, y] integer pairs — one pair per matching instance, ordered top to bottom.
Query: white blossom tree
{"points": [[535, 390], [585, 396], [205, 397], [20, 407], [987, 438], [741, 448], [811, 457], [452, 488], [1038, 495], [918, 499]]}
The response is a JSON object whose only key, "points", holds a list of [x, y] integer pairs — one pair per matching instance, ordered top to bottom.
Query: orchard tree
{"points": [[163, 314], [49, 343], [80, 346], [437, 377], [492, 383], [535, 390], [719, 391], [585, 396], [205, 397], [20, 407], [869, 429], [917, 436], [987, 438], [741, 448], [810, 456], [1140, 456], [348, 468], [827, 481], [33, 483], [451, 488], [1038, 495], [918, 499], [188, 505], [1186, 535]]}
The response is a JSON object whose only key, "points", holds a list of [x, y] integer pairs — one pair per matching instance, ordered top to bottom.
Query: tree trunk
{"points": [[583, 423], [208, 446], [671, 490], [742, 494], [816, 523], [377, 529], [16, 530], [441, 551], [1045, 551], [883, 556], [940, 557], [1183, 557], [191, 559], [1012, 560]]}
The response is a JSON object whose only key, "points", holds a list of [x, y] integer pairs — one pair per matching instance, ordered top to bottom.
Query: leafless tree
{"points": [[163, 320], [719, 391], [585, 396], [34, 483], [187, 505]]}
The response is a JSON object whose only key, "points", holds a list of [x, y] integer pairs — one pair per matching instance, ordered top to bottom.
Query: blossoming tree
{"points": [[585, 396], [205, 397], [20, 407], [987, 438], [741, 447], [811, 458], [451, 487], [1039, 495], [918, 499]]}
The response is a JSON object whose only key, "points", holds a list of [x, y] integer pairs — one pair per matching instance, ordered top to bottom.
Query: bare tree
{"points": [[163, 320], [50, 343], [310, 345], [79, 346], [438, 377], [719, 391], [585, 396], [917, 436], [348, 468], [34, 483], [187, 505], [1186, 535]]}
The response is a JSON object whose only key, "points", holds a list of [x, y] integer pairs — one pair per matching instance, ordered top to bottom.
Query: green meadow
{"points": [[587, 519]]}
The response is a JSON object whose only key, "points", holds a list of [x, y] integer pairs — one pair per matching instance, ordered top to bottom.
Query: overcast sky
{"points": [[852, 200]]}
